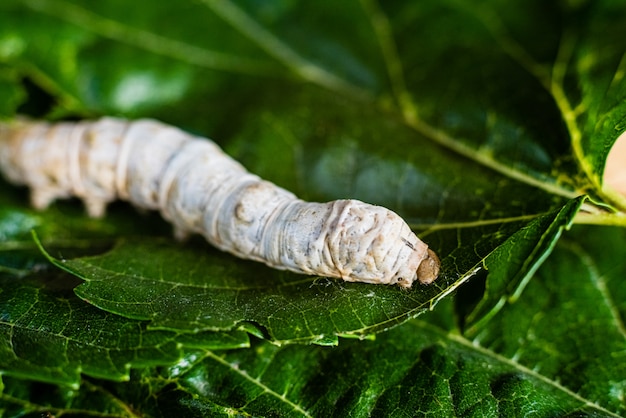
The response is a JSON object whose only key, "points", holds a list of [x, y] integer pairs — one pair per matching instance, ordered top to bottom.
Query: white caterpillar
{"points": [[200, 189]]}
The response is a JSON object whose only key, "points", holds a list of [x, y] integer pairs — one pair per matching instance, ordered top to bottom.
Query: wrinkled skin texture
{"points": [[200, 189]]}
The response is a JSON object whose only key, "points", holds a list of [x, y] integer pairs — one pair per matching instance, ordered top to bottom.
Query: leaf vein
{"points": [[149, 41], [278, 49], [475, 346], [257, 382]]}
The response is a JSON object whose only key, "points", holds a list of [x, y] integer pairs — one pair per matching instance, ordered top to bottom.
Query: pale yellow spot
{"points": [[615, 169]]}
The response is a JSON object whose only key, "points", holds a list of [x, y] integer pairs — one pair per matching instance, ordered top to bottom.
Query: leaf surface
{"points": [[487, 128], [289, 307], [48, 334], [539, 356]]}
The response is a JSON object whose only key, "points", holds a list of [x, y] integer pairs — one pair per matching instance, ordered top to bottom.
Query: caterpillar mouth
{"points": [[428, 271]]}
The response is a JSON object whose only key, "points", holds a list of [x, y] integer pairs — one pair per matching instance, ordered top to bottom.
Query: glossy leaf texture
{"points": [[487, 128], [48, 334], [525, 362]]}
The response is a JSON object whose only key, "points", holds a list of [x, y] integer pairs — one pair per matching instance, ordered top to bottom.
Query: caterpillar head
{"points": [[372, 244]]}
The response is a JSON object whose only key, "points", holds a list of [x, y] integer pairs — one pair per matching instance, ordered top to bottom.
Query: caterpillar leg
{"points": [[198, 188], [41, 198], [96, 208], [181, 234]]}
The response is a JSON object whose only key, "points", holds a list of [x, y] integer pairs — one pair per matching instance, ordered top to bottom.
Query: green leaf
{"points": [[10, 92], [596, 114], [485, 127], [63, 228], [512, 264], [190, 289], [210, 293], [289, 307], [569, 326], [48, 334], [539, 357], [28, 398]]}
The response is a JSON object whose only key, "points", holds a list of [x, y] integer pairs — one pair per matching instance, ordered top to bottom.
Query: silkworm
{"points": [[200, 189]]}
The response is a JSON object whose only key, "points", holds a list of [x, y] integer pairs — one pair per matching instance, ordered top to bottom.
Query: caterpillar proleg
{"points": [[199, 189]]}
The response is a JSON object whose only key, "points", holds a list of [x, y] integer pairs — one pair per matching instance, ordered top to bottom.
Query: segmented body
{"points": [[200, 189]]}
